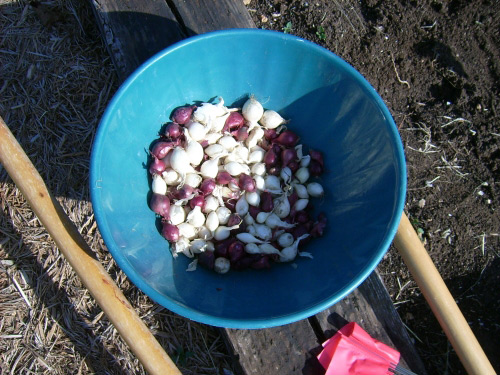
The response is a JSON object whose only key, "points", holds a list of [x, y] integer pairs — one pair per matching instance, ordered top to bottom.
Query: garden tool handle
{"points": [[79, 255], [440, 300]]}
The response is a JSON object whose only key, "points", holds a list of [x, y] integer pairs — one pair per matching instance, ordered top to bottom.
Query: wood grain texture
{"points": [[202, 16], [134, 30], [440, 300], [371, 307], [290, 349]]}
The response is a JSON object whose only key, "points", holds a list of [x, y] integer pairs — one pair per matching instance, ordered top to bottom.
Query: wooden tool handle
{"points": [[81, 258], [440, 300]]}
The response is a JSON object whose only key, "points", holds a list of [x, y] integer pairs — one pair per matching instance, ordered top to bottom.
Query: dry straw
{"points": [[55, 81]]}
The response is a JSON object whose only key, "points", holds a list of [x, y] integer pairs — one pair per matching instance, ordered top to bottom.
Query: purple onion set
{"points": [[233, 187]]}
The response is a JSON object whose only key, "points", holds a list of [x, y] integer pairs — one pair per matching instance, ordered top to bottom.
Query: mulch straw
{"points": [[55, 81]]}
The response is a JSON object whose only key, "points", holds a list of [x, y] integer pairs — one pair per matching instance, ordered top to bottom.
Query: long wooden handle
{"points": [[81, 258], [440, 300]]}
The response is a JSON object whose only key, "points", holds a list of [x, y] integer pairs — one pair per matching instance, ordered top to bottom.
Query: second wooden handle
{"points": [[79, 255], [440, 300]]}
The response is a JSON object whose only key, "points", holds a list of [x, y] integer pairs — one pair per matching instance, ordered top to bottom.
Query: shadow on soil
{"points": [[477, 295]]}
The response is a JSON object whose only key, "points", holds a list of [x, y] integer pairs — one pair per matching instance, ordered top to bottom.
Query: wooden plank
{"points": [[202, 16], [134, 30], [371, 307], [290, 349]]}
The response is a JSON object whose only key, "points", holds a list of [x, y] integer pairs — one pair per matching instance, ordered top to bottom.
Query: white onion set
{"points": [[233, 187]]}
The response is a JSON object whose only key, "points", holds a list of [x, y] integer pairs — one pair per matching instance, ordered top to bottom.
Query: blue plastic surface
{"points": [[333, 109]]}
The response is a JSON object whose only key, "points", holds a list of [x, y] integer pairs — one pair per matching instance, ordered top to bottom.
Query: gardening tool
{"points": [[79, 255], [440, 300], [353, 351]]}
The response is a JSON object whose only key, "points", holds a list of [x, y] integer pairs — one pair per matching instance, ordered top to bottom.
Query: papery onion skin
{"points": [[182, 115], [233, 122], [172, 130], [241, 134], [270, 134], [287, 138], [161, 149], [288, 155], [318, 156], [270, 158], [157, 166], [294, 166], [315, 168], [274, 171], [224, 178], [245, 182], [207, 186], [184, 192], [293, 198], [197, 201], [266, 201], [230, 203], [160, 204], [253, 211], [301, 217], [234, 219], [170, 232], [221, 247], [236, 251], [207, 259], [262, 263]]}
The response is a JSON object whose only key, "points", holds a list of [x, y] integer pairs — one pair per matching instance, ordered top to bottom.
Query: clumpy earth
{"points": [[436, 64]]}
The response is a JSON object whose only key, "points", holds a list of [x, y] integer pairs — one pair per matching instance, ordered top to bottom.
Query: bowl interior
{"points": [[331, 107]]}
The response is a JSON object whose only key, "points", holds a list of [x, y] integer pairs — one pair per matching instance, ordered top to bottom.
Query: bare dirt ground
{"points": [[435, 63], [437, 66]]}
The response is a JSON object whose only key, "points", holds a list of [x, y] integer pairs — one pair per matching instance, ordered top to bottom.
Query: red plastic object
{"points": [[352, 351]]}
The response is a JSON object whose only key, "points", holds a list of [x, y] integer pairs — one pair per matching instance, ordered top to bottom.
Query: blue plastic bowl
{"points": [[333, 109]]}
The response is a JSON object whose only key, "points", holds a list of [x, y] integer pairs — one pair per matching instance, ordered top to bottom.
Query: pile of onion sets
{"points": [[233, 187]]}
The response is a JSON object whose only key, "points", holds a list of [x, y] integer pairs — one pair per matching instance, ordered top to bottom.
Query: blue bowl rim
{"points": [[231, 322]]}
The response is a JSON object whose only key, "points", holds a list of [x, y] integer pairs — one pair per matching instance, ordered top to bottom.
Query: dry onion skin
{"points": [[234, 188]]}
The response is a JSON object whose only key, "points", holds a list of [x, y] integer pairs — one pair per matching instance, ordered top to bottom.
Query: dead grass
{"points": [[55, 81]]}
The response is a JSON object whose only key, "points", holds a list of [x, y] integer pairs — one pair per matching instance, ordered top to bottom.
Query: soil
{"points": [[436, 64]]}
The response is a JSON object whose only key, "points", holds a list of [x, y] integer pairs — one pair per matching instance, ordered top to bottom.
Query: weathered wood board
{"points": [[202, 16], [133, 31], [289, 349]]}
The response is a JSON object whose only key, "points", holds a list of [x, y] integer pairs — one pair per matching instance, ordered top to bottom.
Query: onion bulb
{"points": [[252, 110], [271, 119], [180, 161], [210, 168], [158, 185], [315, 190], [177, 214], [223, 214], [195, 217], [212, 222], [187, 230], [248, 238], [285, 240], [289, 253], [222, 265]]}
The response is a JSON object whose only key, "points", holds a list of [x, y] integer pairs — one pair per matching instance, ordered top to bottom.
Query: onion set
{"points": [[233, 187]]}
